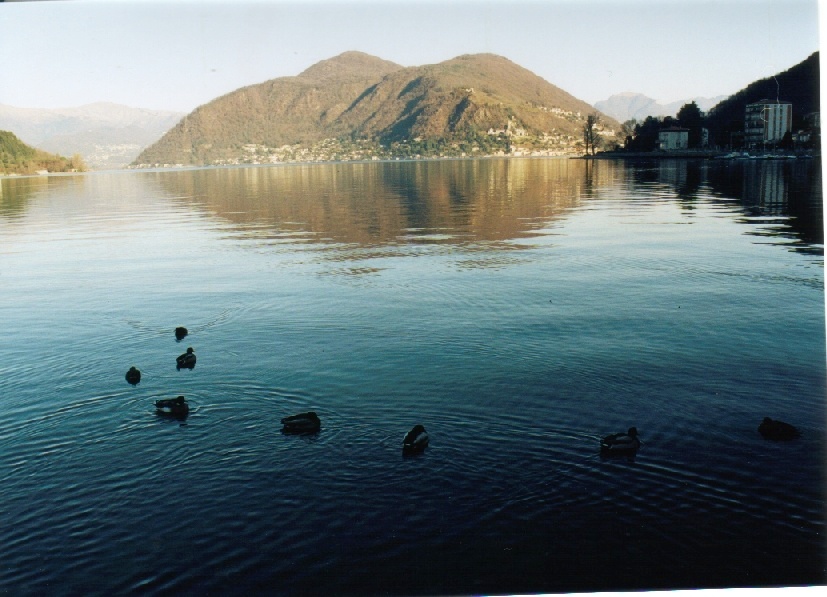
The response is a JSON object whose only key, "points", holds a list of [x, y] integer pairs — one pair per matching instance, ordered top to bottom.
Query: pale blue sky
{"points": [[178, 54]]}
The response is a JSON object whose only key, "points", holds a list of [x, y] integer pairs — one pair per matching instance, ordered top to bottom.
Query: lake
{"points": [[519, 309]]}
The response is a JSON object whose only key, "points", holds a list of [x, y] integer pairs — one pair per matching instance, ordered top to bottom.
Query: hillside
{"points": [[799, 85], [357, 105], [628, 106], [288, 110], [106, 135], [18, 158]]}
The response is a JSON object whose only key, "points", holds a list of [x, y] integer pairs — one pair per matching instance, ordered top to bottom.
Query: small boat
{"points": [[181, 333], [186, 360], [133, 376], [174, 407], [301, 423], [777, 430], [415, 441], [620, 443]]}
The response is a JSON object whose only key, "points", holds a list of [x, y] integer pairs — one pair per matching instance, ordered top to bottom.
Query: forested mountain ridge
{"points": [[799, 85], [362, 106], [287, 110], [18, 158]]}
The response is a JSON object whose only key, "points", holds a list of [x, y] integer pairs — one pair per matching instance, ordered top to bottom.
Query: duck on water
{"points": [[186, 360], [133, 376], [174, 407], [308, 422], [777, 430], [415, 440], [620, 443]]}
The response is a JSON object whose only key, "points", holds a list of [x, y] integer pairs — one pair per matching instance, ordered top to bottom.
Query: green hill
{"points": [[357, 105], [18, 158]]}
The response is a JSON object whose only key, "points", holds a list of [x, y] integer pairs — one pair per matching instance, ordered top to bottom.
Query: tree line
{"points": [[724, 124], [703, 131], [643, 136], [18, 158]]}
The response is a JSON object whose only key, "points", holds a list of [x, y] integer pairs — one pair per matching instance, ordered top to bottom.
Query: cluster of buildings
{"points": [[766, 124]]}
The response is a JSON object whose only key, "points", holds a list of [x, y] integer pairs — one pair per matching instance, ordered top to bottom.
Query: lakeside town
{"points": [[503, 116], [767, 134]]}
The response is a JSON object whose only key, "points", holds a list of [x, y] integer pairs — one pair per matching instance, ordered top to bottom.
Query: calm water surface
{"points": [[519, 309]]}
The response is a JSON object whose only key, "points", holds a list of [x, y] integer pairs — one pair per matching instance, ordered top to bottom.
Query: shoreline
{"points": [[691, 154]]}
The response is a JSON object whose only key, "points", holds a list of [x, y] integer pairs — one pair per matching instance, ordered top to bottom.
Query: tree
{"points": [[690, 117], [627, 130], [590, 135], [646, 135], [76, 163]]}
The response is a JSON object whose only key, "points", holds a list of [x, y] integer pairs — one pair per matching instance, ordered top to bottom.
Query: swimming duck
{"points": [[180, 333], [186, 360], [133, 376], [176, 407], [301, 423], [777, 430], [415, 441], [620, 443]]}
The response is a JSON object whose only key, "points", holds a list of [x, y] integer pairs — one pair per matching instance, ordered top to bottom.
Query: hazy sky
{"points": [[178, 54]]}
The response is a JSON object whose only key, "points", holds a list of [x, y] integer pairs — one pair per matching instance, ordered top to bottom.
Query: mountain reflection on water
{"points": [[17, 192], [467, 201]]}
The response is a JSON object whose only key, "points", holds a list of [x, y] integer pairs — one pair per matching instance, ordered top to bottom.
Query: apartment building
{"points": [[766, 122]]}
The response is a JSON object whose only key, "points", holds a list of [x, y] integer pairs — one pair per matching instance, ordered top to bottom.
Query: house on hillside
{"points": [[766, 122], [673, 138]]}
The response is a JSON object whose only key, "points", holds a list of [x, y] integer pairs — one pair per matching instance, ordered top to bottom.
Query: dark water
{"points": [[519, 309]]}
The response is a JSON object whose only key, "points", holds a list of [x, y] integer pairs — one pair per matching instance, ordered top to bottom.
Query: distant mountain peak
{"points": [[481, 57], [351, 64], [630, 94], [630, 105], [106, 134]]}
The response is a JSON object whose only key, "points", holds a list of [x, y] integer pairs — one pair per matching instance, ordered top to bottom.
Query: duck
{"points": [[180, 333], [186, 360], [133, 376], [175, 407], [308, 422], [777, 430], [415, 441], [620, 443]]}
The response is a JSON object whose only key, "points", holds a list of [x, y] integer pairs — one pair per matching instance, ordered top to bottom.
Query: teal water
{"points": [[519, 309]]}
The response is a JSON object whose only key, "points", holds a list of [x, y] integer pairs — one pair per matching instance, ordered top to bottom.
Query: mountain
{"points": [[799, 85], [364, 105], [628, 105], [287, 110], [106, 135], [18, 158]]}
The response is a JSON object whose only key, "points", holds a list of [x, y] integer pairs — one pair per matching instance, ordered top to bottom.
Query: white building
{"points": [[766, 122], [673, 138]]}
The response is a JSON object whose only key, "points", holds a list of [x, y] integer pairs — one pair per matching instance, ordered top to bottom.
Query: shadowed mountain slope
{"points": [[800, 85], [479, 91]]}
